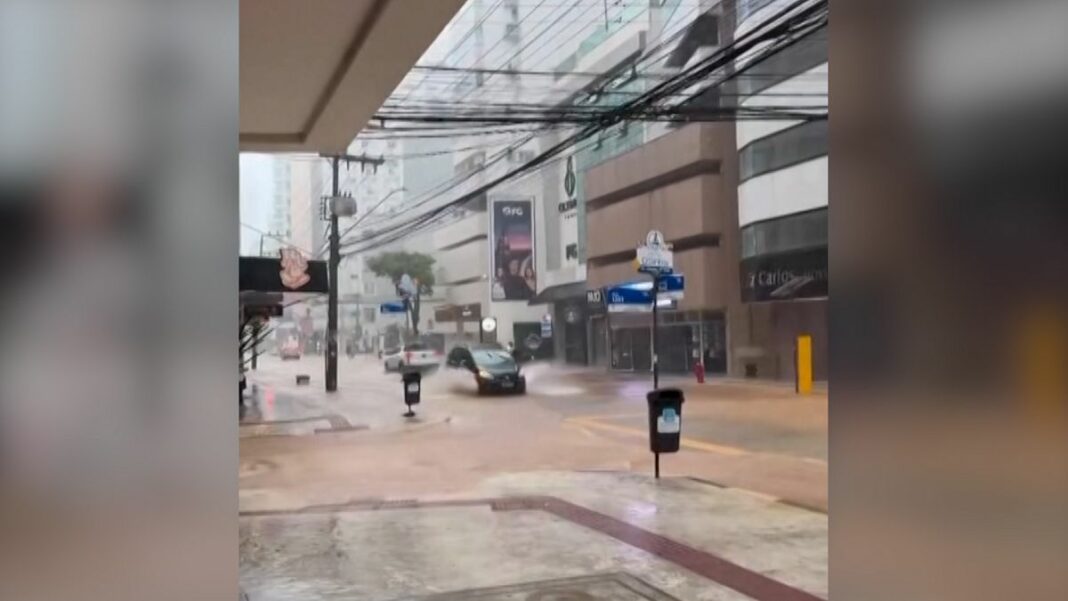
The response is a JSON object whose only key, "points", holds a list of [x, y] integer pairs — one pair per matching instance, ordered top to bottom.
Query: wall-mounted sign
{"points": [[568, 209], [571, 252], [294, 273], [264, 274], [785, 276]]}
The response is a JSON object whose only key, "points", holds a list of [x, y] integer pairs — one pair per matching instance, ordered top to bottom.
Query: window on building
{"points": [[797, 58], [783, 149], [782, 234], [369, 286], [369, 314]]}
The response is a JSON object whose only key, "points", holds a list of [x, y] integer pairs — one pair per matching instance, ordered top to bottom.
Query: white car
{"points": [[290, 348], [415, 354]]}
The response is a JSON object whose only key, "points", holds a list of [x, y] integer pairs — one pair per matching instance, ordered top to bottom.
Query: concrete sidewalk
{"points": [[541, 535]]}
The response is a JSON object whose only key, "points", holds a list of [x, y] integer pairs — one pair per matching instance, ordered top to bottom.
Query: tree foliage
{"points": [[393, 265]]}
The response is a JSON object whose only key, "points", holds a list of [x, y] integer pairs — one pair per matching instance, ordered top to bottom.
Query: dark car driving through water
{"points": [[494, 369]]}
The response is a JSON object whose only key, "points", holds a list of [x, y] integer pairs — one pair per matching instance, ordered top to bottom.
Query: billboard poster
{"points": [[512, 261]]}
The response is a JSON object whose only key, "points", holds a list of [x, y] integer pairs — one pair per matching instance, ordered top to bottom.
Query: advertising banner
{"points": [[512, 261]]}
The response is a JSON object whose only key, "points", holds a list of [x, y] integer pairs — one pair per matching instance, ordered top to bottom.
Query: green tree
{"points": [[417, 266]]}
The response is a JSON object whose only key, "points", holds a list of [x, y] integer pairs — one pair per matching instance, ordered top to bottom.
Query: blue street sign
{"points": [[640, 292], [624, 295], [392, 307]]}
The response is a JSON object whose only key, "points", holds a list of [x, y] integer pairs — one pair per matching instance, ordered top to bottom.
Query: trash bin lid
{"points": [[665, 395]]}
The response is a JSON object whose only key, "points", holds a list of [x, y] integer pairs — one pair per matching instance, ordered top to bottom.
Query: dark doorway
{"points": [[529, 344]]}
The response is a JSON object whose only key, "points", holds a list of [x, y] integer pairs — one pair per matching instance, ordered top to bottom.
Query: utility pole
{"points": [[335, 261]]}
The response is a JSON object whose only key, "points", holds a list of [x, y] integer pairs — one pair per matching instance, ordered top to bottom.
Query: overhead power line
{"points": [[772, 35]]}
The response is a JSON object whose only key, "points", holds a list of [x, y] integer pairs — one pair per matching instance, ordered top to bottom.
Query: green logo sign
{"points": [[569, 177]]}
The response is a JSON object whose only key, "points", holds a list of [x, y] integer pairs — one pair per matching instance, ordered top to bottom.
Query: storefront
{"points": [[784, 289], [566, 321], [462, 323], [597, 329], [684, 338]]}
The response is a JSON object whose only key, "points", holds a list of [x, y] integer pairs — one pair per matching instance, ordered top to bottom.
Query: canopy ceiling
{"points": [[314, 71]]}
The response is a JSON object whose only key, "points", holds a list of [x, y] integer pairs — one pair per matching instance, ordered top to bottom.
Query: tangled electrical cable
{"points": [[789, 25]]}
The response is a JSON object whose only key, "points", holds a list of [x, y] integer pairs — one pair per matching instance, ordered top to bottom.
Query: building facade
{"points": [[683, 185], [782, 206]]}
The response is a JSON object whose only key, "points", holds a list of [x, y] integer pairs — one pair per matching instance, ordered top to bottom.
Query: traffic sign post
{"points": [[656, 259]]}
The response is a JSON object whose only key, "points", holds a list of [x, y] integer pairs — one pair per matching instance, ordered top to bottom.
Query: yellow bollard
{"points": [[803, 367]]}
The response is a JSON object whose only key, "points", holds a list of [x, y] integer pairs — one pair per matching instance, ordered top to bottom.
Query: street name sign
{"points": [[655, 256]]}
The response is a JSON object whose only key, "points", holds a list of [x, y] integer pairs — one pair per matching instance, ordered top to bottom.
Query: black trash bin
{"points": [[413, 386], [665, 419]]}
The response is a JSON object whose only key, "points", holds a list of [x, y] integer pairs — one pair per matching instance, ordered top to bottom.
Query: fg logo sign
{"points": [[512, 211]]}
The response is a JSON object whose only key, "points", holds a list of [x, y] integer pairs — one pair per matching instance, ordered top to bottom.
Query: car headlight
{"points": [[485, 375]]}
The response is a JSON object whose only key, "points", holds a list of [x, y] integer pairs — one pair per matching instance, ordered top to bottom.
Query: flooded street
{"points": [[342, 498]]}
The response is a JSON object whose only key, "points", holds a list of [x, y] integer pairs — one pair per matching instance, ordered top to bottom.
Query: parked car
{"points": [[290, 348], [413, 355], [494, 369]]}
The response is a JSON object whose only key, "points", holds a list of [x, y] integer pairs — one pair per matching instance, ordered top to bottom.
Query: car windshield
{"points": [[492, 358]]}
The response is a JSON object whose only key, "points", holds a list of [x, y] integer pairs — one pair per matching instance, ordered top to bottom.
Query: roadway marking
{"points": [[689, 443]]}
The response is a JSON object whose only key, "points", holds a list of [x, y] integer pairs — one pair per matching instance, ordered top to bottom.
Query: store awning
{"points": [[552, 294]]}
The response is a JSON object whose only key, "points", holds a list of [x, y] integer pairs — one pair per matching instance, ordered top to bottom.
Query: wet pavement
{"points": [[736, 434], [342, 498], [687, 540]]}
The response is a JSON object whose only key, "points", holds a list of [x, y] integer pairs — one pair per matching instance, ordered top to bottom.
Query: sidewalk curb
{"points": [[771, 498]]}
